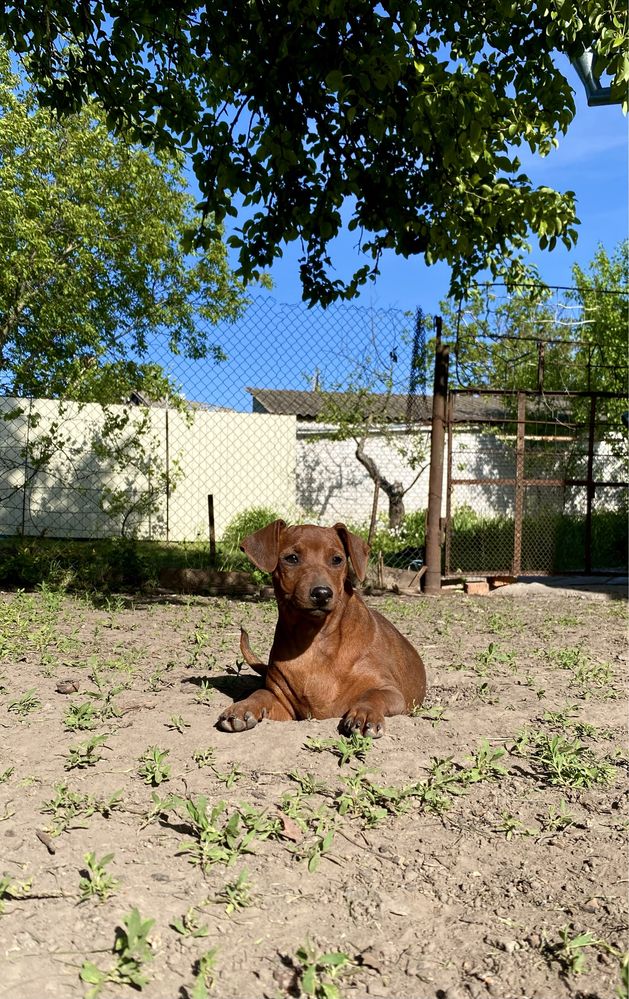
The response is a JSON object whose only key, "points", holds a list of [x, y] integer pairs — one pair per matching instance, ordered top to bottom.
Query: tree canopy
{"points": [[400, 120], [91, 231], [572, 339]]}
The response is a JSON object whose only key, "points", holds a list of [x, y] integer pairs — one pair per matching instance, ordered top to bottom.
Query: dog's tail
{"points": [[249, 656]]}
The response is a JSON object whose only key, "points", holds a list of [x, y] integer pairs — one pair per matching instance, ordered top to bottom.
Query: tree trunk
{"points": [[395, 491]]}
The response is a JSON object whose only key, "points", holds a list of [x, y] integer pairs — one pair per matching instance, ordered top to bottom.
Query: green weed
{"points": [[494, 656], [25, 705], [434, 715], [80, 717], [177, 724], [345, 747], [86, 754], [204, 757], [568, 763], [153, 770], [231, 777], [371, 803], [67, 807], [219, 838], [95, 880], [12, 889], [236, 895], [189, 925], [132, 950], [569, 951], [204, 972], [318, 972]]}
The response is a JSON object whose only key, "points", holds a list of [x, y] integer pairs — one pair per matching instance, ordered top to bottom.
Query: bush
{"points": [[246, 523], [243, 524], [106, 564]]}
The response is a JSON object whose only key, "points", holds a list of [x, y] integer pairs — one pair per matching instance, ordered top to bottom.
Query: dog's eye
{"points": [[292, 559], [337, 559]]}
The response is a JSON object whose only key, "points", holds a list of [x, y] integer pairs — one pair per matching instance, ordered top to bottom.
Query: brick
{"points": [[497, 581], [476, 587]]}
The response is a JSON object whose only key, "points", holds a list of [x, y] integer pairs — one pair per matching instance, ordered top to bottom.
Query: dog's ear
{"points": [[263, 546], [356, 548]]}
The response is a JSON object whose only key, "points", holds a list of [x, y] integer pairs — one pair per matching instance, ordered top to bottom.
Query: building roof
{"points": [[390, 408]]}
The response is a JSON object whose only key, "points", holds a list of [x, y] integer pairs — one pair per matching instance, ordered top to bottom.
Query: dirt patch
{"points": [[475, 850]]}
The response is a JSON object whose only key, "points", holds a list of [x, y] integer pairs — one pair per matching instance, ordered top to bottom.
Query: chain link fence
{"points": [[294, 411], [324, 416], [534, 485]]}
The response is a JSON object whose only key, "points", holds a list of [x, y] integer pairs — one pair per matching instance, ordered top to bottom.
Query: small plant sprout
{"points": [[493, 655], [205, 692], [487, 693], [24, 705], [434, 715], [80, 717], [177, 724], [346, 748], [86, 754], [204, 757], [569, 763], [485, 765], [153, 769], [5, 774], [231, 777], [308, 783], [67, 807], [556, 819], [511, 827], [324, 836], [219, 838], [95, 880], [12, 889], [236, 894], [189, 925], [131, 949], [569, 951], [204, 971], [318, 972]]}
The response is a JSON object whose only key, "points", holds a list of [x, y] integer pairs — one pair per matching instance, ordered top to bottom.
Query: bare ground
{"points": [[484, 875]]}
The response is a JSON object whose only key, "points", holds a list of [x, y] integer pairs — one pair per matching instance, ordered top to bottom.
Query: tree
{"points": [[401, 119], [91, 232], [527, 338], [368, 405]]}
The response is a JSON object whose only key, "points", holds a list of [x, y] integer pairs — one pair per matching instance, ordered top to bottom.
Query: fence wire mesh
{"points": [[311, 414], [270, 418], [534, 486]]}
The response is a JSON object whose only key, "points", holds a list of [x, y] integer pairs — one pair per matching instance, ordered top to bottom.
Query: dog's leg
{"points": [[369, 710], [246, 714]]}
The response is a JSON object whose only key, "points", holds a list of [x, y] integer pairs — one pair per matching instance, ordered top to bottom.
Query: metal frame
{"points": [[519, 482]]}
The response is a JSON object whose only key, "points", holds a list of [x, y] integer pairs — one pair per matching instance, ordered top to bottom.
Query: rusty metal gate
{"points": [[535, 483]]}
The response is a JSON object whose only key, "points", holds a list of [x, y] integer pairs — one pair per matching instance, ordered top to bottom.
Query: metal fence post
{"points": [[435, 486]]}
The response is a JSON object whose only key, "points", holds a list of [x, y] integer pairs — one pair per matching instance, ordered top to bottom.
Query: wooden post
{"points": [[210, 517], [432, 584]]}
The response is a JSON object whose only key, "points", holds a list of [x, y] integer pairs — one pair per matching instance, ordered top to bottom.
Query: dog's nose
{"points": [[321, 595]]}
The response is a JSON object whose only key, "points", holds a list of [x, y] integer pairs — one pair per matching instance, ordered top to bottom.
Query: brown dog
{"points": [[332, 655]]}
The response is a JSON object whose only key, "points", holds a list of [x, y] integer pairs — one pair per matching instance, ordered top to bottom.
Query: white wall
{"points": [[243, 459]]}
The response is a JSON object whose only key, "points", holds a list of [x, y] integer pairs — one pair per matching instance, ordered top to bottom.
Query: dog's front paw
{"points": [[235, 719], [363, 720]]}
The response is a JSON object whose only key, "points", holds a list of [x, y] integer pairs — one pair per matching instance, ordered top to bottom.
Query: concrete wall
{"points": [[71, 470], [332, 485]]}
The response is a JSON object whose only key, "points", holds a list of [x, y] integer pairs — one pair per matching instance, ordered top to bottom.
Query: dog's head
{"points": [[309, 564]]}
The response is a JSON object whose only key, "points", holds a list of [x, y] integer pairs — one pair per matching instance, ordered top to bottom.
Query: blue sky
{"points": [[591, 161], [285, 346]]}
